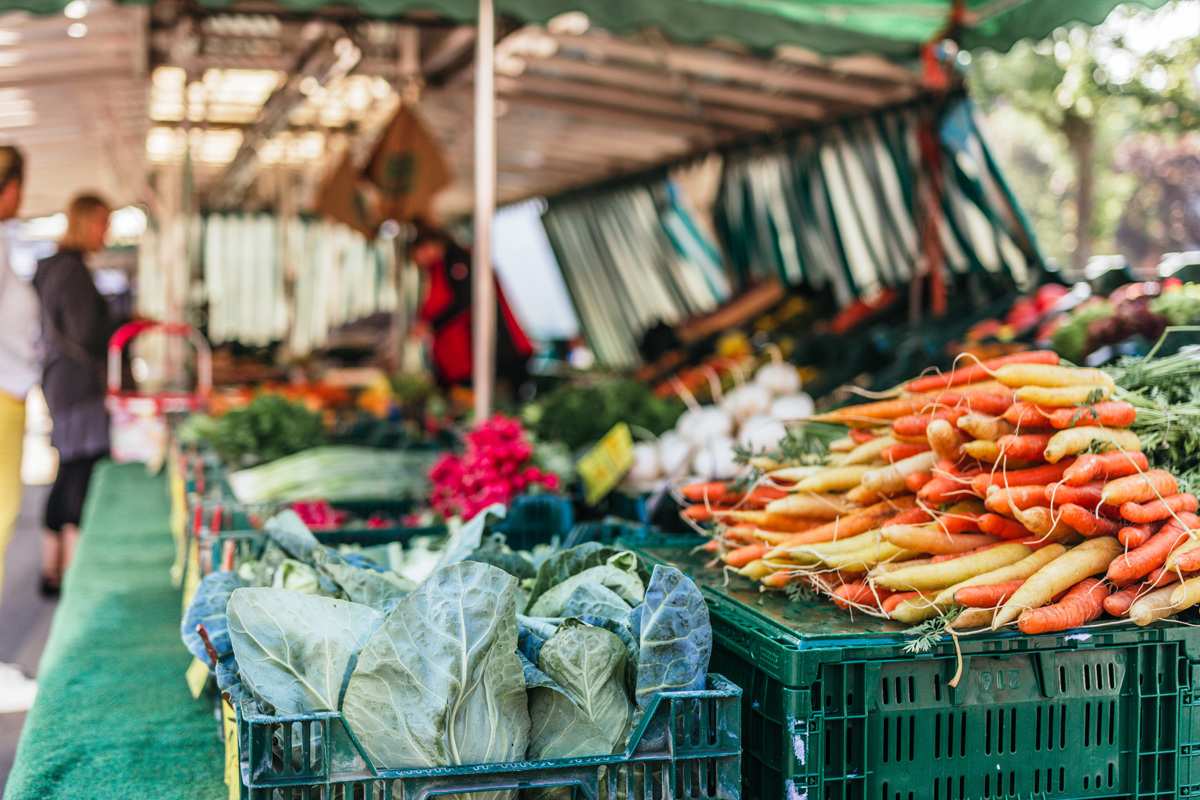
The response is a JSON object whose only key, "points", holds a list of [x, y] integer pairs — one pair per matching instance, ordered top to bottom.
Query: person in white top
{"points": [[19, 372]]}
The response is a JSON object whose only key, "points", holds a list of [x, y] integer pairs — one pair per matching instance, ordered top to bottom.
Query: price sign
{"points": [[606, 464], [197, 676], [233, 777]]}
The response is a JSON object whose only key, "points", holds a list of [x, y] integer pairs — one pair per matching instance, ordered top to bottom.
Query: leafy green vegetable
{"points": [[1070, 339], [581, 415], [269, 428], [335, 473], [288, 531], [468, 537], [495, 552], [557, 568], [297, 576], [626, 585], [379, 590], [592, 597], [208, 609], [673, 634], [924, 636], [295, 651], [589, 664], [440, 682], [558, 727]]}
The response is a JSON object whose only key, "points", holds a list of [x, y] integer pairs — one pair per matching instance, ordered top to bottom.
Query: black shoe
{"points": [[50, 586]]}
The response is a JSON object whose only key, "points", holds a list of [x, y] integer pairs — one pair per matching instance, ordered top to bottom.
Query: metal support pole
{"points": [[484, 311]]}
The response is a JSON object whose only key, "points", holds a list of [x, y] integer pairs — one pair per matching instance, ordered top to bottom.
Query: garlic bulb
{"points": [[778, 378], [761, 433], [716, 460]]}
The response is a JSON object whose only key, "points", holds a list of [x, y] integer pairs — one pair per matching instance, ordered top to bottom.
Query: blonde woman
{"points": [[76, 327]]}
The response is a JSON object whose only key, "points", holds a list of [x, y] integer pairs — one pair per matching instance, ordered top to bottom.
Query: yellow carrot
{"points": [[1019, 375], [1064, 396], [983, 426], [943, 438], [1074, 440], [868, 452], [793, 474], [837, 479], [890, 479], [809, 504], [929, 538], [1186, 547], [816, 552], [868, 557], [1089, 558], [1013, 572], [935, 577], [1186, 594], [1153, 606], [915, 609], [972, 618]]}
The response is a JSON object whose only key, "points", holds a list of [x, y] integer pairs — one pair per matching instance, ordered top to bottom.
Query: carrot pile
{"points": [[1006, 491]]}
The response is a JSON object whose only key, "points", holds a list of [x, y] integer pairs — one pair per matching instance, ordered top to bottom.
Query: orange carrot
{"points": [[972, 370], [984, 403], [1112, 414], [869, 415], [1027, 415], [913, 425], [861, 436], [1027, 447], [899, 452], [1105, 466], [1043, 474], [915, 480], [1140, 488], [944, 490], [699, 492], [1087, 496], [1003, 501], [1159, 509], [704, 513], [913, 516], [764, 520], [859, 522], [959, 523], [1088, 523], [1002, 527], [741, 534], [1137, 535], [929, 539], [711, 546], [744, 555], [951, 556], [1127, 568], [1163, 577], [780, 578], [859, 594], [989, 595], [889, 604], [1082, 604], [1117, 605]]}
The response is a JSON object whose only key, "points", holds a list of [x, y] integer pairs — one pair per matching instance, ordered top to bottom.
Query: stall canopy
{"points": [[893, 28]]}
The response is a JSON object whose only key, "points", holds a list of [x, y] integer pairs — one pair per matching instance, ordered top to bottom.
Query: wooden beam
{"points": [[741, 69], [666, 107], [633, 122]]}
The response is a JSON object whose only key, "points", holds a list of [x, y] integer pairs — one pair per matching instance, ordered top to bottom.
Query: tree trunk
{"points": [[1081, 141]]}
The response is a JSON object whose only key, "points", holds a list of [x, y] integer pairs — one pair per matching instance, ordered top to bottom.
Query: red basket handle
{"points": [[131, 330]]}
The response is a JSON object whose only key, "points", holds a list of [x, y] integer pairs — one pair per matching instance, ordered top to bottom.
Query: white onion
{"points": [[778, 378], [748, 401], [792, 407], [712, 422], [687, 423], [762, 433], [673, 453], [716, 460], [647, 466]]}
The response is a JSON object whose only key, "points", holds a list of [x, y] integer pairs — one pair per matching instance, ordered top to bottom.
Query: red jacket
{"points": [[447, 309]]}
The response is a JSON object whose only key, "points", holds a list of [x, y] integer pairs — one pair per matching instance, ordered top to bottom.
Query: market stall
{"points": [[320, 573]]}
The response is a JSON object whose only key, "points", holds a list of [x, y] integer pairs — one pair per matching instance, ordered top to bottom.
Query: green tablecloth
{"points": [[113, 716]]}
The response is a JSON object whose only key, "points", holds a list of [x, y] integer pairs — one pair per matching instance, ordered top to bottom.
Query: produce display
{"points": [[269, 428], [496, 467], [335, 473], [1014, 490], [493, 656]]}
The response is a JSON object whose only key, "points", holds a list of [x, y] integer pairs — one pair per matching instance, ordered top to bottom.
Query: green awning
{"points": [[892, 28]]}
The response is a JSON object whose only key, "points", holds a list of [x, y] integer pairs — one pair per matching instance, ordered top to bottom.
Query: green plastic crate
{"points": [[833, 709], [688, 744]]}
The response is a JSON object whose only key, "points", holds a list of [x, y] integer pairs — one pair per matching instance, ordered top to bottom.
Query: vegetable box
{"points": [[833, 708], [688, 744]]}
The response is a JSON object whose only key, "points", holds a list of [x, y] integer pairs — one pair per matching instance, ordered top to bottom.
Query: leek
{"points": [[336, 473]]}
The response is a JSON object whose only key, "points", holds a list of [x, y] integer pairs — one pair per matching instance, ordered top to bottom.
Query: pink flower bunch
{"points": [[494, 469]]}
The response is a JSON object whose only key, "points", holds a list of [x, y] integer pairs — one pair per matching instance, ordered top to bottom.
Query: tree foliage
{"points": [[1094, 125]]}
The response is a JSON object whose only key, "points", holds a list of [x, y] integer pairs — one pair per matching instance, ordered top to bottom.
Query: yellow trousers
{"points": [[12, 443]]}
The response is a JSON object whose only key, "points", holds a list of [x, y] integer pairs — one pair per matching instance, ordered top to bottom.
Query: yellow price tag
{"points": [[603, 467], [191, 573], [197, 677], [233, 776]]}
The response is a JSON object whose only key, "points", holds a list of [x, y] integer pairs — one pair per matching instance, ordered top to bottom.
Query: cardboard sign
{"points": [[606, 464], [197, 676], [233, 776]]}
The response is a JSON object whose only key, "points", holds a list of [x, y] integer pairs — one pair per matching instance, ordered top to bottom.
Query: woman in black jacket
{"points": [[76, 327]]}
